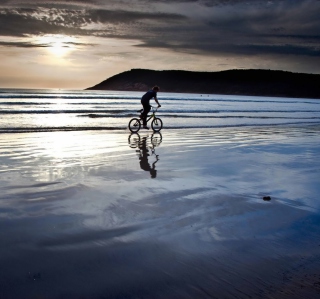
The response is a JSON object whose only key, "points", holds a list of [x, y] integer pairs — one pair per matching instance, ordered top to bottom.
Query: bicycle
{"points": [[156, 124]]}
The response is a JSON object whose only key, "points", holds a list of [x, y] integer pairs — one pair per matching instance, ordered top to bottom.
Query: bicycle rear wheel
{"points": [[156, 124], [134, 125], [134, 140]]}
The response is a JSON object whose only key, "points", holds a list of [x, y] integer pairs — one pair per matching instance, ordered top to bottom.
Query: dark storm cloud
{"points": [[206, 2], [212, 3], [108, 16], [224, 27], [288, 28], [245, 49]]}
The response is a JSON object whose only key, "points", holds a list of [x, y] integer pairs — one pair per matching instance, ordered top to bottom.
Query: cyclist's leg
{"points": [[144, 114]]}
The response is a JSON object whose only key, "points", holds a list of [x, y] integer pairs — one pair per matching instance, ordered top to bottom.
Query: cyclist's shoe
{"points": [[145, 127]]}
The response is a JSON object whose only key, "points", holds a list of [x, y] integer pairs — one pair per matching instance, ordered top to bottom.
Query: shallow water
{"points": [[48, 110], [108, 214]]}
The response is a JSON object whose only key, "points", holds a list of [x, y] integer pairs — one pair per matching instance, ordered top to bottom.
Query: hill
{"points": [[232, 82]]}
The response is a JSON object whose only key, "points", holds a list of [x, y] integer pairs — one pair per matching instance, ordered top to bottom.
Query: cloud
{"points": [[35, 3], [23, 21], [204, 27], [276, 28], [20, 44], [31, 44]]}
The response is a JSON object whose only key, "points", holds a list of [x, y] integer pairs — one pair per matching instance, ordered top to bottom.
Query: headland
{"points": [[232, 82]]}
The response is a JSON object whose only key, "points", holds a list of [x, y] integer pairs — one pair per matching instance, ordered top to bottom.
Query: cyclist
{"points": [[145, 101]]}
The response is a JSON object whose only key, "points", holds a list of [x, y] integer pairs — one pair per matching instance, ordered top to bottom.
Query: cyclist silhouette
{"points": [[145, 102]]}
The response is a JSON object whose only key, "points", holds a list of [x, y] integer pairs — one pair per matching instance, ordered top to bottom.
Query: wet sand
{"points": [[184, 214]]}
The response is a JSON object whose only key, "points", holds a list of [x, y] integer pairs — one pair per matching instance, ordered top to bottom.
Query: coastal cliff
{"points": [[232, 82]]}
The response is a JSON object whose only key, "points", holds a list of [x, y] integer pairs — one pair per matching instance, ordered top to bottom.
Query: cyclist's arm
{"points": [[155, 98]]}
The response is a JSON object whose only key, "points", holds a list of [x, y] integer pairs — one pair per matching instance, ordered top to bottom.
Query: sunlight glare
{"points": [[57, 44]]}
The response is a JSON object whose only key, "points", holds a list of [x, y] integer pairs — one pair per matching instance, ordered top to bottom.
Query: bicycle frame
{"points": [[153, 114]]}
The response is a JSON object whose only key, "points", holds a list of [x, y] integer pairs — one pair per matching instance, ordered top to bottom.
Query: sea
{"points": [[76, 110], [222, 203]]}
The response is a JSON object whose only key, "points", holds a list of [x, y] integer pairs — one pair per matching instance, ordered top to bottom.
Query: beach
{"points": [[188, 213]]}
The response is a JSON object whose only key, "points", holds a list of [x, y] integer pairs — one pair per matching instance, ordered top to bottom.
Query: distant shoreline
{"points": [[232, 82]]}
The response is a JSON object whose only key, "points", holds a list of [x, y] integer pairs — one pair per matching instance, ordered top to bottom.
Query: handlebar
{"points": [[155, 108]]}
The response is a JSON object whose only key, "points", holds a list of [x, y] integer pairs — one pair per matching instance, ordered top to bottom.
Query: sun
{"points": [[57, 45]]}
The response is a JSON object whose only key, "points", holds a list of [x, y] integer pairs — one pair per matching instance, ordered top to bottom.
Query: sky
{"points": [[76, 44]]}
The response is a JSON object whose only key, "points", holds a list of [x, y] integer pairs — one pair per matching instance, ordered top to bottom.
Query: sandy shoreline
{"points": [[181, 215]]}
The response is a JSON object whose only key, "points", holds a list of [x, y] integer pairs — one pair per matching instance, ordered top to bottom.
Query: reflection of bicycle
{"points": [[156, 124], [156, 139], [134, 140], [145, 151]]}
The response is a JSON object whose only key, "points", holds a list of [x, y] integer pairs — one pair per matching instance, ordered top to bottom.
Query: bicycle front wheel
{"points": [[156, 124], [134, 125], [156, 139]]}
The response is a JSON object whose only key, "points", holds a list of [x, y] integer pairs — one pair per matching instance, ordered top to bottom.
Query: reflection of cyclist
{"points": [[145, 101], [144, 163]]}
